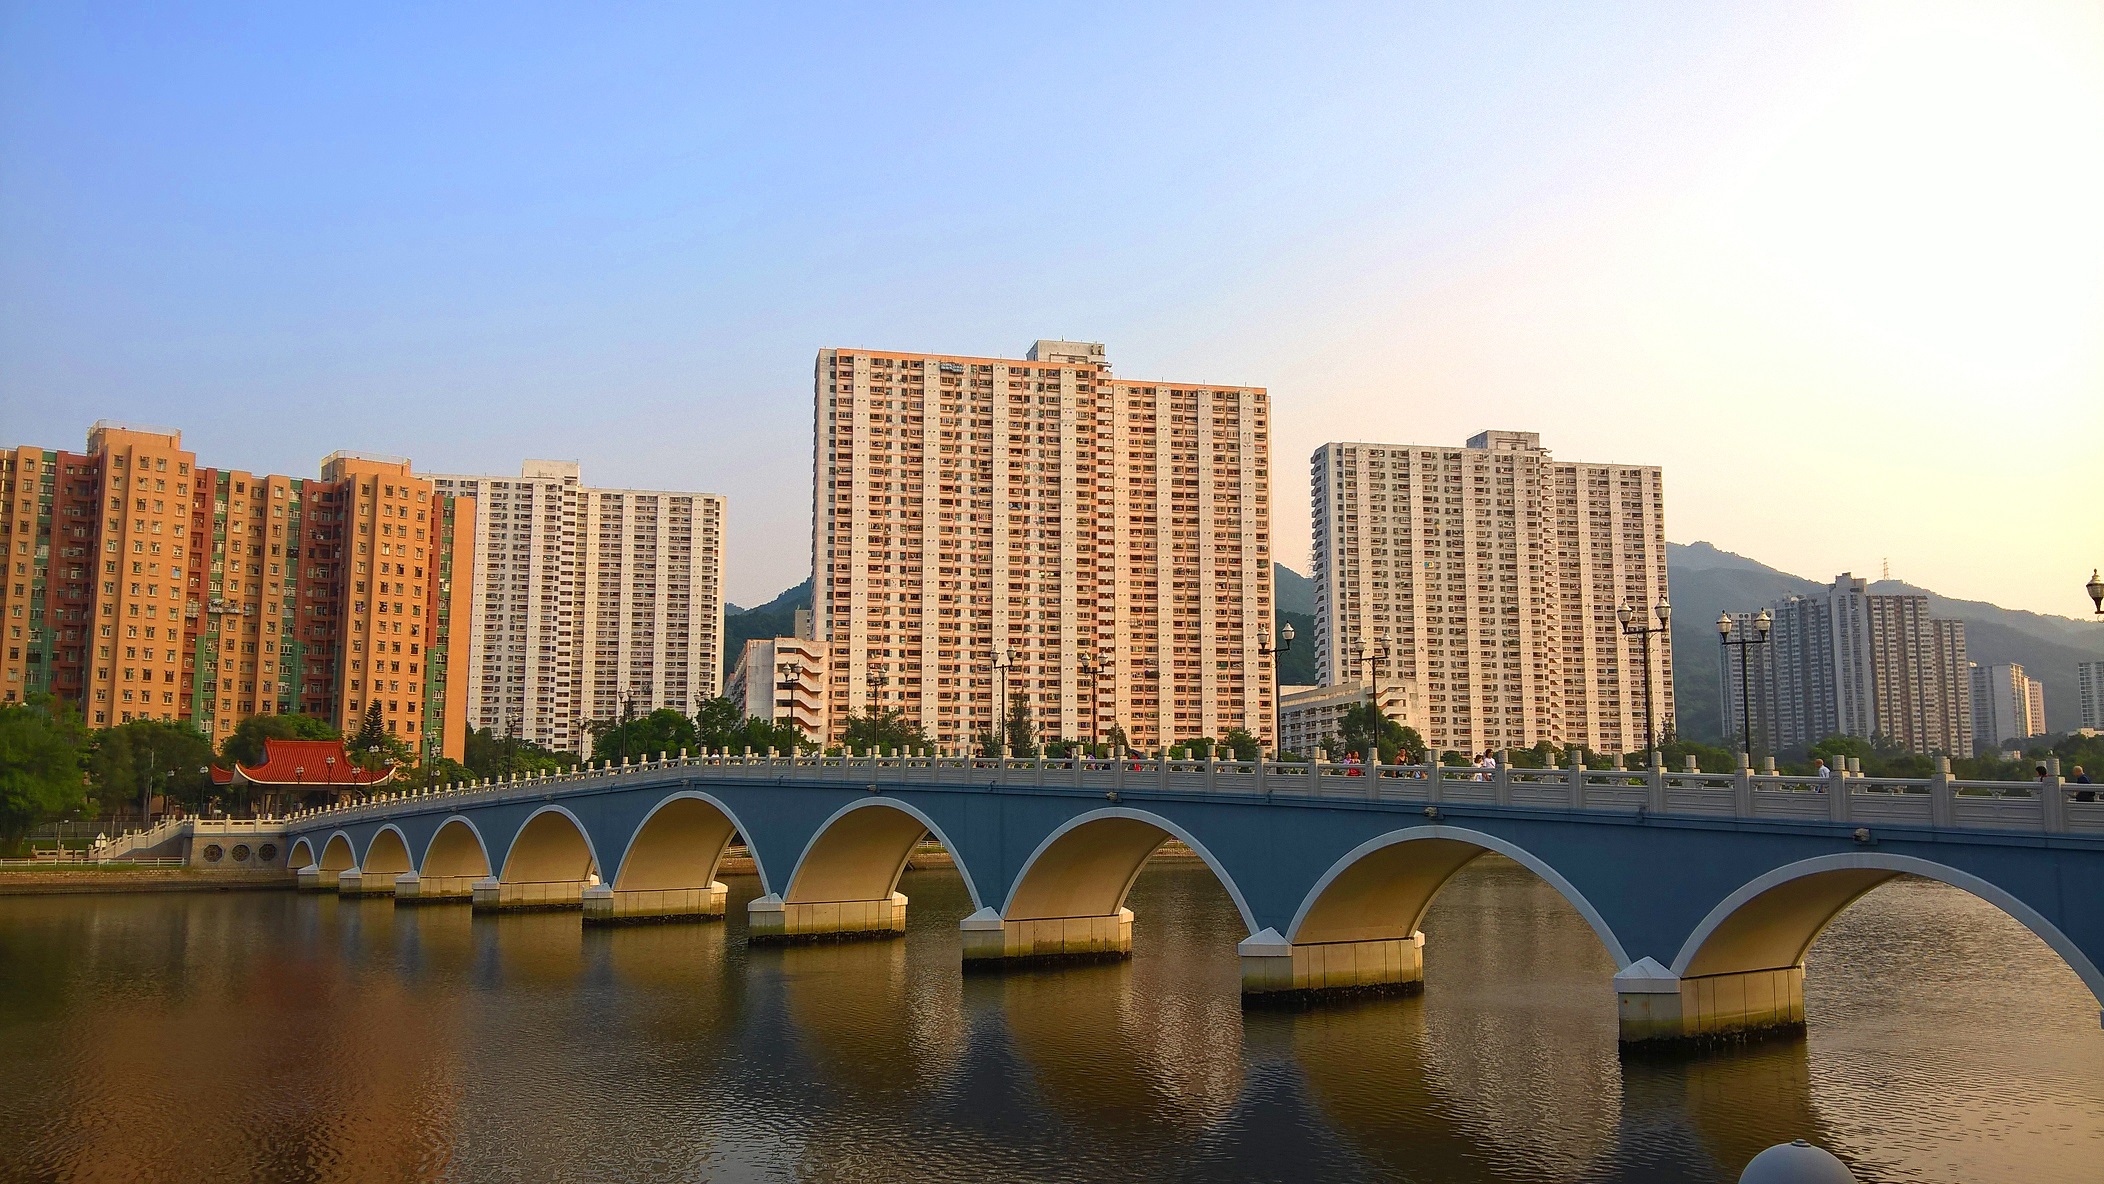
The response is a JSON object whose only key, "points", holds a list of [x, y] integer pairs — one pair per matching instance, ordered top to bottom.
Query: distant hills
{"points": [[1705, 581]]}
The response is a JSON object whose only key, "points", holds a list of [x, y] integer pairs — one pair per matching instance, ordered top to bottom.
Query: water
{"points": [[278, 1037]]}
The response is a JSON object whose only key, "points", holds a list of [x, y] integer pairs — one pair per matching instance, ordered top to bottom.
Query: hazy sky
{"points": [[1840, 269]]}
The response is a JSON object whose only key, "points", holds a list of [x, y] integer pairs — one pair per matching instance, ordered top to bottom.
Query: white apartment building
{"points": [[1103, 544], [1486, 579], [586, 597], [783, 680], [2089, 688], [2008, 705], [1308, 716]]}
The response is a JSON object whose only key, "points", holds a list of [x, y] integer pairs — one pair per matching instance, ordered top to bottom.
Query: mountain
{"points": [[1707, 580], [1292, 592], [776, 618]]}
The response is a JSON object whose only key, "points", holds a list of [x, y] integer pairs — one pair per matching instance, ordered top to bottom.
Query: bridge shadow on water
{"points": [[317, 1038]]}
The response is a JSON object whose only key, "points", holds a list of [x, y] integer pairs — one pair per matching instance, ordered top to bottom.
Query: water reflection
{"points": [[277, 1037]]}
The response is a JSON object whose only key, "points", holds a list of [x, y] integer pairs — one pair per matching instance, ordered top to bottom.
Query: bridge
{"points": [[1707, 889]]}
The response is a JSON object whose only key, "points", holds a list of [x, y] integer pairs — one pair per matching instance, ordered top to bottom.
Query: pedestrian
{"points": [[1351, 759], [1820, 771], [2082, 778]]}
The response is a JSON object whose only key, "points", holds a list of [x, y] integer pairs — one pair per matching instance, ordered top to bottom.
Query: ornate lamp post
{"points": [[2095, 587], [1762, 622], [1632, 625], [1373, 659], [1003, 661], [1090, 670], [1278, 696]]}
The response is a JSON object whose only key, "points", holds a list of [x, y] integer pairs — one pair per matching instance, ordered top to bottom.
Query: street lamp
{"points": [[2096, 590], [1762, 622], [1632, 626], [1373, 659], [1003, 661], [1091, 668], [1278, 694]]}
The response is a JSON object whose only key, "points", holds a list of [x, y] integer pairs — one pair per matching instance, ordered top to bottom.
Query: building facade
{"points": [[1101, 545], [1486, 579], [153, 589], [590, 599], [1851, 663], [783, 680], [2089, 688], [2009, 706], [1310, 716]]}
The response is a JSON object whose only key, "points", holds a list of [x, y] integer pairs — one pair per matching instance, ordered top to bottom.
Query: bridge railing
{"points": [[1936, 801]]}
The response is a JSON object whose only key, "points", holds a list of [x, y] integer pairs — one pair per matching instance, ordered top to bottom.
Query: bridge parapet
{"points": [[1936, 802]]}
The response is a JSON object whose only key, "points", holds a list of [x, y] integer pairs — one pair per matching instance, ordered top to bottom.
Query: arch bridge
{"points": [[1706, 889]]}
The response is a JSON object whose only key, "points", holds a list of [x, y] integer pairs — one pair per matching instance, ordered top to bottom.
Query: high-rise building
{"points": [[1101, 545], [1487, 579], [160, 590], [591, 600], [1851, 663], [783, 680], [1746, 688], [2089, 689], [2009, 705]]}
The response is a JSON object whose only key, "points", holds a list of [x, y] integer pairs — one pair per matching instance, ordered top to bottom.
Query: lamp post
{"points": [[2095, 588], [1631, 618], [1762, 622], [1372, 658], [1003, 661], [1090, 670], [1278, 695]]}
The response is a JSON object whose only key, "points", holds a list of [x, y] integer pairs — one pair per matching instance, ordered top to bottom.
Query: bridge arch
{"points": [[679, 844], [552, 846], [456, 849], [861, 851], [387, 853], [301, 855], [337, 855], [1086, 868], [1380, 889], [1771, 922]]}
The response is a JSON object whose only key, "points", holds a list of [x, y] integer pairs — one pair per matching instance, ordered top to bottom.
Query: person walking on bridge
{"points": [[2081, 778]]}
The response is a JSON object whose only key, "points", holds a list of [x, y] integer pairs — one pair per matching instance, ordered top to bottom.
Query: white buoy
{"points": [[1796, 1162]]}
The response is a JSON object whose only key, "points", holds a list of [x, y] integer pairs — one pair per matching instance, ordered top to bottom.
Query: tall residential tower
{"points": [[1100, 545]]}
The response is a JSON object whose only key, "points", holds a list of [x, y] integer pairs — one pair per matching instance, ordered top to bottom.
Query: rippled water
{"points": [[281, 1037]]}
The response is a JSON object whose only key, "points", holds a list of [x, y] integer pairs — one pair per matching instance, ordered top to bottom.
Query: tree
{"points": [[719, 724], [882, 731], [1367, 732], [1020, 734], [641, 738], [1115, 740], [245, 745], [1241, 746], [375, 748], [40, 754], [488, 755], [150, 756]]}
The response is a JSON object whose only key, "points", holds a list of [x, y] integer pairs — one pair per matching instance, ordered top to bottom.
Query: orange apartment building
{"points": [[140, 586]]}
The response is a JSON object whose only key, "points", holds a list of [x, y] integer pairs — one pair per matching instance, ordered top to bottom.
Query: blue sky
{"points": [[1772, 247]]}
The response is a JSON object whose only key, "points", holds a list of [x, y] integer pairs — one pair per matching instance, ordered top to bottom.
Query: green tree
{"points": [[719, 724], [882, 731], [1019, 732], [1356, 733], [641, 737], [41, 742], [245, 745], [1241, 746], [487, 754], [157, 756]]}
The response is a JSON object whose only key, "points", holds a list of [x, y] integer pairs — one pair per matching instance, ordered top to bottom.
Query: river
{"points": [[273, 1036]]}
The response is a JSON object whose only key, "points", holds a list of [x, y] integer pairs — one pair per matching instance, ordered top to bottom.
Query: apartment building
{"points": [[1102, 544], [1487, 579], [157, 589], [591, 598], [1851, 663], [783, 680], [2089, 688], [2009, 706], [1310, 716]]}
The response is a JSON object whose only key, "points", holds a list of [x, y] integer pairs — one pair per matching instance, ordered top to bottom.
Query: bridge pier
{"points": [[313, 878], [353, 882], [413, 889], [520, 896], [604, 905], [772, 919], [991, 941], [1276, 970], [1657, 1006]]}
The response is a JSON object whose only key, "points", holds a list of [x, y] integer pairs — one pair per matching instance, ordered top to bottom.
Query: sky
{"points": [[1839, 268]]}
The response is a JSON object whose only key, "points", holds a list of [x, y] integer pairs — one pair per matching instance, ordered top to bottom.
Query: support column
{"points": [[313, 879], [352, 882], [412, 889], [503, 896], [605, 906], [772, 919], [990, 941], [1276, 969], [1657, 1006]]}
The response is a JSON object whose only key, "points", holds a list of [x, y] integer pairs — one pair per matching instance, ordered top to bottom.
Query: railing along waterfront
{"points": [[1939, 801], [171, 828]]}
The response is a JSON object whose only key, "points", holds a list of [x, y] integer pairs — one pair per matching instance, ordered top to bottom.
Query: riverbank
{"points": [[62, 881]]}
